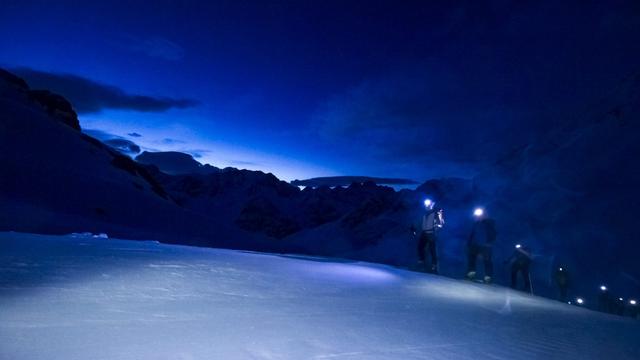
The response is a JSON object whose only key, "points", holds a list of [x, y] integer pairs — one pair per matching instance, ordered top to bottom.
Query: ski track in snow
{"points": [[68, 298]]}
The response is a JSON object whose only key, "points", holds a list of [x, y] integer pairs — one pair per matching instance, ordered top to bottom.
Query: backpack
{"points": [[430, 221]]}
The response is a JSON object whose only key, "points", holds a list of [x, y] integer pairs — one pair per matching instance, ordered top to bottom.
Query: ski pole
{"points": [[530, 283]]}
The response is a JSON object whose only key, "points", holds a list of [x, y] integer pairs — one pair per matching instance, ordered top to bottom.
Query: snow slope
{"points": [[64, 297]]}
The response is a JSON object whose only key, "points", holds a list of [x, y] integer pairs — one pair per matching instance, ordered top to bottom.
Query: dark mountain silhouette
{"points": [[55, 179], [348, 180], [568, 195]]}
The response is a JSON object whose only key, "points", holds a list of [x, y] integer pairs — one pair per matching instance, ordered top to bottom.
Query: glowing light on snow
{"points": [[428, 203], [478, 212], [518, 246], [561, 269], [350, 273], [603, 288], [621, 299], [210, 300], [580, 301], [632, 302]]}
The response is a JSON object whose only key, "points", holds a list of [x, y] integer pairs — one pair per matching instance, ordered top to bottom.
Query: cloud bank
{"points": [[156, 47], [89, 96], [426, 118]]}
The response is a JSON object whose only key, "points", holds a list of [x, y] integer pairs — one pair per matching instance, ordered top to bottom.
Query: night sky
{"points": [[318, 88]]}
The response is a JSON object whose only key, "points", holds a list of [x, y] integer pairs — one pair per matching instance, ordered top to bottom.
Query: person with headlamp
{"points": [[432, 222], [480, 243], [520, 263], [562, 280]]}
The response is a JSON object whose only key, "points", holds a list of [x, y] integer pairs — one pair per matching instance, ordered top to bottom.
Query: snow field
{"points": [[64, 297]]}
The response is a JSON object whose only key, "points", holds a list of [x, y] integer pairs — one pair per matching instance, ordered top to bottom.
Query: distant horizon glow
{"points": [[406, 91], [206, 150]]}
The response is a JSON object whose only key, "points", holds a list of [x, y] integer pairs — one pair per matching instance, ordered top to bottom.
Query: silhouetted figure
{"points": [[432, 221], [480, 243], [520, 263], [562, 280], [605, 300], [619, 305], [632, 309]]}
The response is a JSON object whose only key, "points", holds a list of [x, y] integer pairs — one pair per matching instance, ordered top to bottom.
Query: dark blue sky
{"points": [[314, 88]]}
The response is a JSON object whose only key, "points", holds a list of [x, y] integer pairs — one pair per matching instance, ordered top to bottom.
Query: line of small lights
{"points": [[580, 301]]}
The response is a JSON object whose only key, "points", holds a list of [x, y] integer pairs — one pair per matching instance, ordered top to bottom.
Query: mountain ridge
{"points": [[58, 180], [348, 180]]}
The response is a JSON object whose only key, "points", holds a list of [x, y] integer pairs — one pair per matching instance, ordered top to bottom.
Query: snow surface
{"points": [[81, 297]]}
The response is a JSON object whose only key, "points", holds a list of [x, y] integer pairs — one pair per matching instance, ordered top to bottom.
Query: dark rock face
{"points": [[13, 80], [56, 106], [125, 163], [58, 180], [191, 186], [260, 203], [370, 208], [318, 209], [356, 209], [260, 215], [361, 220]]}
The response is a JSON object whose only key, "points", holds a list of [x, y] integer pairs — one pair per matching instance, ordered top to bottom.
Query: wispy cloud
{"points": [[157, 47], [89, 96], [423, 118], [171, 141], [119, 143], [244, 163]]}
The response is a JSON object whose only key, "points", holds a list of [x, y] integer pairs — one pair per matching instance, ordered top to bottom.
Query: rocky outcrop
{"points": [[14, 81], [56, 106], [125, 163], [58, 180], [260, 203], [372, 206], [261, 215]]}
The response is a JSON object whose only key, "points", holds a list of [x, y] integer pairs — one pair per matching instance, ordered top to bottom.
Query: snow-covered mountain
{"points": [[56, 179], [332, 181], [572, 196], [77, 297]]}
